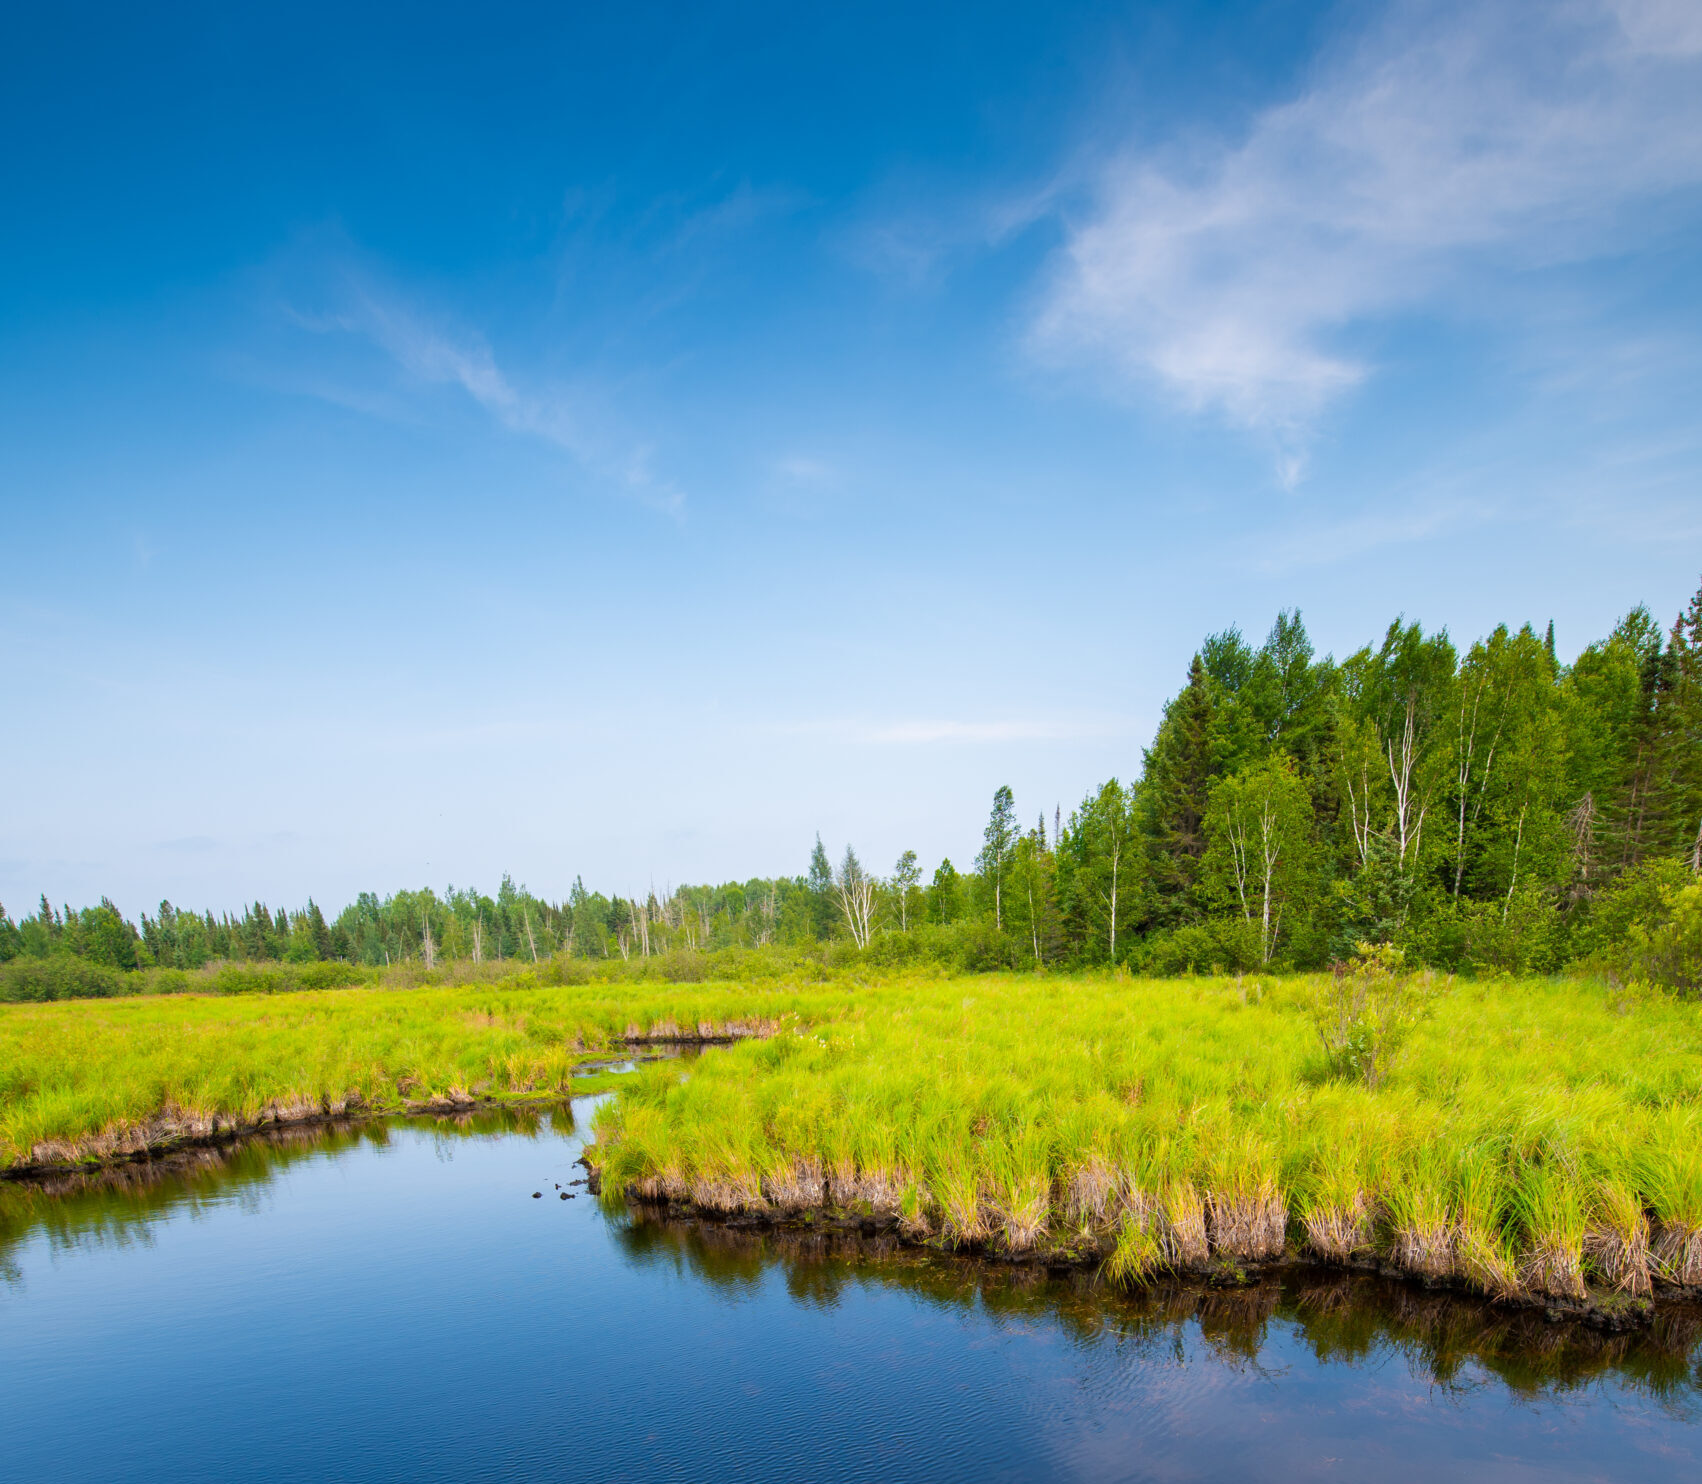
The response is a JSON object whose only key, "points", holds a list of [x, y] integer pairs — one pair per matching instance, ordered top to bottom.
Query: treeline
{"points": [[1485, 809]]}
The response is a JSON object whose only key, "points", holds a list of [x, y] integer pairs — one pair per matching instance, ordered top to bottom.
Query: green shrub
{"points": [[1649, 927], [1212, 947], [1670, 951], [684, 966], [61, 976], [282, 978], [1366, 1011]]}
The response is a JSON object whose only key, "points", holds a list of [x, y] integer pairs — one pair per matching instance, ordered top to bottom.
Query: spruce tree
{"points": [[1174, 795], [819, 883], [319, 932]]}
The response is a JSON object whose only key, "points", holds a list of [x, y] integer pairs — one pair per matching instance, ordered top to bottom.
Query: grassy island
{"points": [[1528, 1137]]}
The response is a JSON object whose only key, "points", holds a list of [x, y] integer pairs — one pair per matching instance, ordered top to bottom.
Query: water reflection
{"points": [[119, 1205], [1454, 1341]]}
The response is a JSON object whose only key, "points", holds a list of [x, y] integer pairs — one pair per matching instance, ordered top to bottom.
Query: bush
{"points": [[1642, 899], [1648, 928], [1523, 934], [1215, 947], [982, 948], [894, 950], [1669, 952], [684, 966], [61, 976], [282, 978], [163, 981], [1367, 1011]]}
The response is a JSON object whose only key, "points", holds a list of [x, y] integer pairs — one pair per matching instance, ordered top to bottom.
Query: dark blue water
{"points": [[389, 1303]]}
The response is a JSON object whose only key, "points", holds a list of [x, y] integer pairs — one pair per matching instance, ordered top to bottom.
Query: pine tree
{"points": [[1684, 731], [1174, 795], [819, 884], [319, 932]]}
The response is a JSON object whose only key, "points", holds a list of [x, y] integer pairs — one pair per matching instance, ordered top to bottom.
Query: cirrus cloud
{"points": [[1445, 138]]}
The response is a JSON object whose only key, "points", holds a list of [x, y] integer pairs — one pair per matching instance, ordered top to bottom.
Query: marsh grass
{"points": [[97, 1079], [1533, 1137], [1530, 1139]]}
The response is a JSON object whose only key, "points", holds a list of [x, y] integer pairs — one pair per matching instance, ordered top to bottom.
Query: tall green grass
{"points": [[96, 1078], [1532, 1137]]}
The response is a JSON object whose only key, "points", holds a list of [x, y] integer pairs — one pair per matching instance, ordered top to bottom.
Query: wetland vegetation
{"points": [[93, 1080], [1524, 1138], [1527, 1138]]}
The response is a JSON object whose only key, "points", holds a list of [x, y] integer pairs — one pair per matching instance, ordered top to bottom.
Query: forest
{"points": [[1481, 809]]}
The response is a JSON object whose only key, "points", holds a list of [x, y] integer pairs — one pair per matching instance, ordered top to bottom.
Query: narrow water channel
{"points": [[388, 1302]]}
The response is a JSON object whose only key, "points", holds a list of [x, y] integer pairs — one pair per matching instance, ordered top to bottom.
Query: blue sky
{"points": [[628, 440]]}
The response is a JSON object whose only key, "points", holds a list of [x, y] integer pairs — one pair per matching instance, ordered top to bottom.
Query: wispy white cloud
{"points": [[1448, 136], [730, 215], [918, 231], [432, 355], [803, 485]]}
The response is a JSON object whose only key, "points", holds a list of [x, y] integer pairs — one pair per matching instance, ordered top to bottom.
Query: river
{"points": [[387, 1301]]}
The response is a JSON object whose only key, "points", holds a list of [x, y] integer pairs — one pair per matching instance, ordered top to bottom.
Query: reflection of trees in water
{"points": [[119, 1205], [1346, 1318], [1455, 1340]]}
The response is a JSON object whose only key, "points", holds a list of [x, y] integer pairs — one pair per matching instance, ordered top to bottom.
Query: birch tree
{"points": [[1402, 691], [997, 842], [1105, 848], [1260, 848], [905, 876], [854, 890]]}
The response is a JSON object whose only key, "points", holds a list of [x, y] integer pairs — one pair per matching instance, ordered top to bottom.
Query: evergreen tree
{"points": [[1685, 727], [1174, 794], [819, 884], [319, 932]]}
